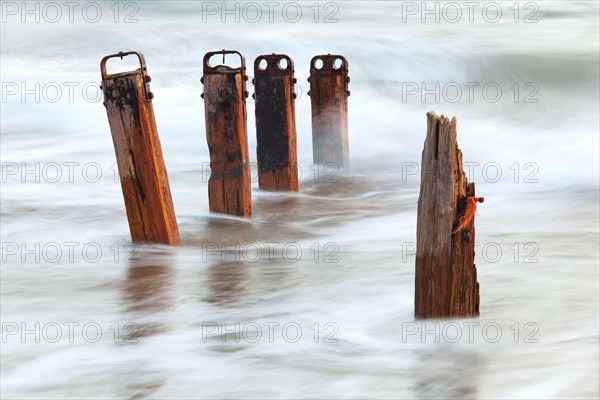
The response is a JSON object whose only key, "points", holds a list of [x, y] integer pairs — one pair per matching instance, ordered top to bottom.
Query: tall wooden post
{"points": [[329, 102], [275, 122], [144, 180], [229, 186], [445, 275]]}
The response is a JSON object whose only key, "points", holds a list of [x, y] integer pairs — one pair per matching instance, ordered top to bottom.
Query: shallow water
{"points": [[312, 297]]}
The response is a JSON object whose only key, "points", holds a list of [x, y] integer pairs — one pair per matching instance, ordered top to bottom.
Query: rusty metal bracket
{"points": [[273, 66], [222, 68], [328, 68], [142, 70]]}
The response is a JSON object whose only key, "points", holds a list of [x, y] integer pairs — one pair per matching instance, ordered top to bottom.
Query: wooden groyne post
{"points": [[329, 102], [275, 122], [142, 171], [229, 185], [445, 275]]}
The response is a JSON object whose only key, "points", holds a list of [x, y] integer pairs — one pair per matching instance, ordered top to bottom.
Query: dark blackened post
{"points": [[329, 99], [275, 122], [144, 180], [229, 186], [445, 275]]}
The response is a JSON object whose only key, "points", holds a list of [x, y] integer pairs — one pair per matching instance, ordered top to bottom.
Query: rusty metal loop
{"points": [[223, 52], [121, 54], [273, 64], [328, 66]]}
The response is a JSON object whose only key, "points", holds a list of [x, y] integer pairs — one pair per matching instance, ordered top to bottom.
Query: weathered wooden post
{"points": [[329, 102], [275, 122], [142, 171], [229, 186], [445, 275]]}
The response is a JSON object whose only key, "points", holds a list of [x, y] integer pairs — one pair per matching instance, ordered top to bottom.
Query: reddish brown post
{"points": [[329, 100], [275, 122], [144, 180], [229, 186], [446, 278]]}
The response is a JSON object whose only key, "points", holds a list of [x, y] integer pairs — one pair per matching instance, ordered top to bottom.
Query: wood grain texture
{"points": [[329, 104], [275, 123], [142, 170], [229, 186], [445, 274]]}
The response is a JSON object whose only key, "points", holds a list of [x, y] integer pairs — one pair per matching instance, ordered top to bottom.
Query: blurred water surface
{"points": [[336, 259]]}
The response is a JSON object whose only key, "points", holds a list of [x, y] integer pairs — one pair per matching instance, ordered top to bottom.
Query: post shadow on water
{"points": [[241, 262], [228, 283], [146, 291], [447, 371]]}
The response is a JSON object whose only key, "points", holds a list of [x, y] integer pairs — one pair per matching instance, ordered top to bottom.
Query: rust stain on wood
{"points": [[329, 103], [275, 122], [142, 170], [229, 186]]}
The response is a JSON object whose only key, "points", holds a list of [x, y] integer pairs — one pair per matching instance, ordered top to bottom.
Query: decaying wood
{"points": [[329, 102], [275, 123], [140, 161], [229, 186], [446, 278]]}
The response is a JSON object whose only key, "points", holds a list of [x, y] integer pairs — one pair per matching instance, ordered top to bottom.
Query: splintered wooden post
{"points": [[329, 102], [275, 122], [142, 171], [229, 186], [445, 275]]}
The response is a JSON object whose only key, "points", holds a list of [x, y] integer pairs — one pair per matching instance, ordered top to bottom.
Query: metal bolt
{"points": [[147, 79], [150, 95]]}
